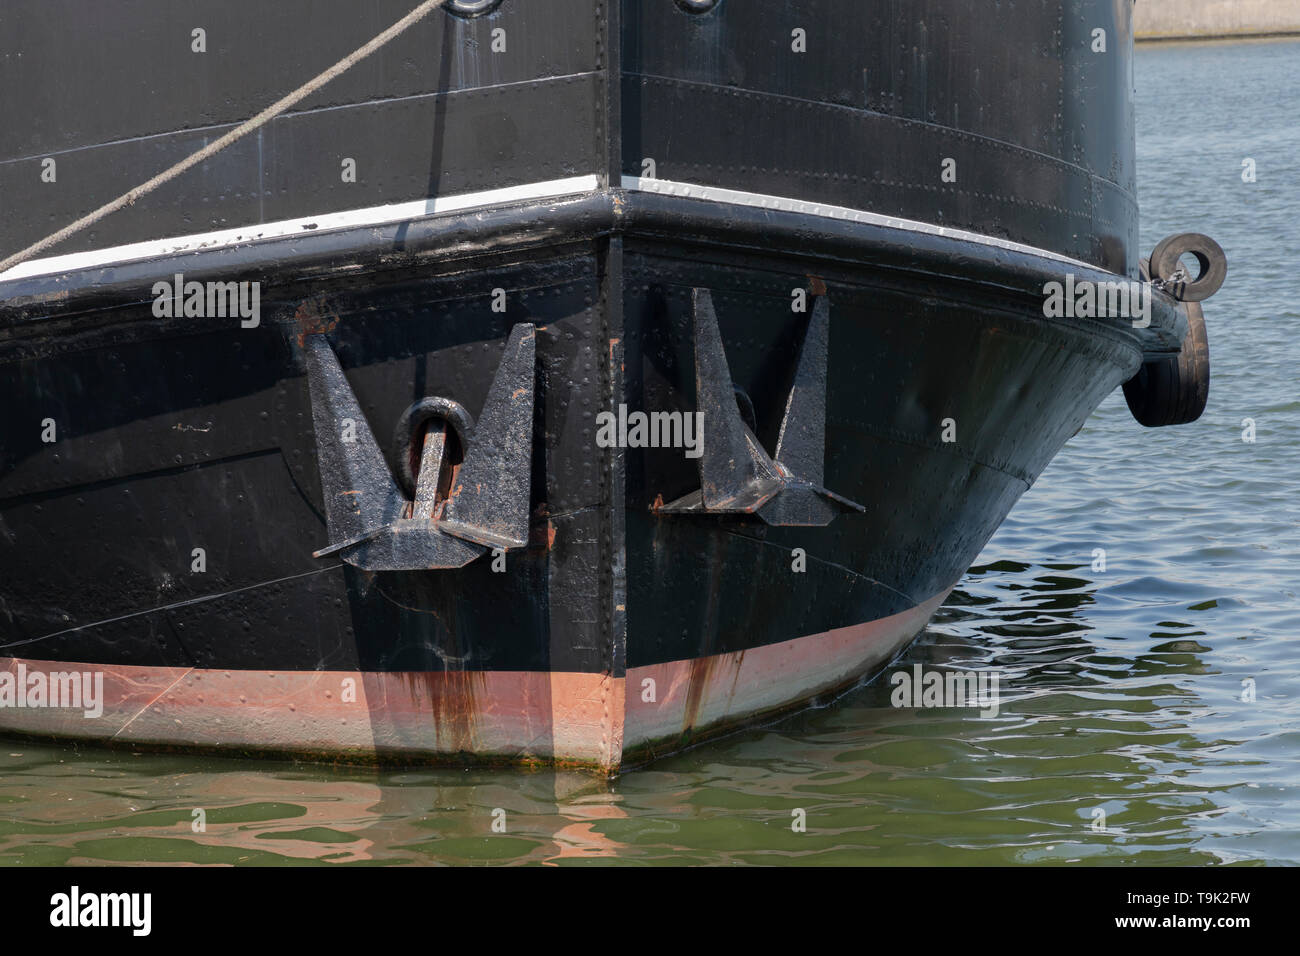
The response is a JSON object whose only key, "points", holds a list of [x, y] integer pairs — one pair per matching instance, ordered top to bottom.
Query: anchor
{"points": [[737, 476], [372, 524]]}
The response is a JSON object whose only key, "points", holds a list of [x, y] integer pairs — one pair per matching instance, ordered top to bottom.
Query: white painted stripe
{"points": [[763, 201], [418, 208], [370, 216]]}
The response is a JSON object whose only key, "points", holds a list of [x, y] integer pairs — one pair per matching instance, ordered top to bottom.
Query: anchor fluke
{"points": [[737, 476], [489, 502], [370, 521]]}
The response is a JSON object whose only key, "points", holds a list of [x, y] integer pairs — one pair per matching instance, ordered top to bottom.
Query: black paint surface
{"points": [[184, 433]]}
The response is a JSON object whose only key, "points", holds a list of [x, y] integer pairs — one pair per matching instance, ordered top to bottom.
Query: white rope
{"points": [[240, 131]]}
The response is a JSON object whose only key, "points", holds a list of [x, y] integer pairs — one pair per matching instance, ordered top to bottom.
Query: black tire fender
{"points": [[1208, 255], [1173, 389]]}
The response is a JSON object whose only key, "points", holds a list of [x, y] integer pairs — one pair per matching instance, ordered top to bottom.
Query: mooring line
{"points": [[240, 131], [201, 599]]}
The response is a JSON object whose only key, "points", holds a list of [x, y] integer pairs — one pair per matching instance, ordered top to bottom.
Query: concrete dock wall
{"points": [[1187, 19]]}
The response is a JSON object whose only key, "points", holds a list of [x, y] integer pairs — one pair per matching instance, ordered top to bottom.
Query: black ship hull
{"points": [[194, 530]]}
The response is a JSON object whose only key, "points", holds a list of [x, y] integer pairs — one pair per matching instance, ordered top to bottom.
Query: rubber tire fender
{"points": [[1208, 255], [1174, 389]]}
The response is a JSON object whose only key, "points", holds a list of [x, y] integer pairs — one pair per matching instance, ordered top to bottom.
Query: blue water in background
{"points": [[1121, 690]]}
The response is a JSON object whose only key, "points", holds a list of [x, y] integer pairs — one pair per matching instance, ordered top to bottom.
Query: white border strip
{"points": [[551, 189], [763, 201], [312, 225]]}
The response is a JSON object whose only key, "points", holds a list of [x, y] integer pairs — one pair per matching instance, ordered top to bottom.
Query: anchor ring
{"points": [[471, 8], [412, 423]]}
